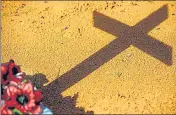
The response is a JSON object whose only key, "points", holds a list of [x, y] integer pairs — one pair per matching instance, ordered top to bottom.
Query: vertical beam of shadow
{"points": [[89, 65]]}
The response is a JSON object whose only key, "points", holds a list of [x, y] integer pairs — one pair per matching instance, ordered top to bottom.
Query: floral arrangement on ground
{"points": [[18, 95]]}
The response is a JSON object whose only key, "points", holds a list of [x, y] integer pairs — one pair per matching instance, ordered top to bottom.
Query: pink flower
{"points": [[23, 98], [5, 110]]}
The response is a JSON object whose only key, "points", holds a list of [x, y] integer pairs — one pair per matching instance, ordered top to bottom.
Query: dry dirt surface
{"points": [[97, 56]]}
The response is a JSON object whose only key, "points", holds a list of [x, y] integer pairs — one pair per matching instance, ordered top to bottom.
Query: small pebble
{"points": [[65, 28]]}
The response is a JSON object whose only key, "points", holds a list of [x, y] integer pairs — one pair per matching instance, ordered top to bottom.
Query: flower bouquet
{"points": [[19, 96]]}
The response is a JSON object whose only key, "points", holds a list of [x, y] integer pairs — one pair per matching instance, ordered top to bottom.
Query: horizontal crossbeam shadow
{"points": [[136, 35]]}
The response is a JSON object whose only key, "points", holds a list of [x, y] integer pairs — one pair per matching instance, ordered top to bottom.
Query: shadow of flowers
{"points": [[55, 101]]}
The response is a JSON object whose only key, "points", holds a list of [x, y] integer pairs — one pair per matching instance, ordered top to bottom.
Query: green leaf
{"points": [[119, 74], [25, 80], [37, 86], [17, 112]]}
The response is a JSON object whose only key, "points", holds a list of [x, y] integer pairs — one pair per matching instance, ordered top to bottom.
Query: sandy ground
{"points": [[53, 37]]}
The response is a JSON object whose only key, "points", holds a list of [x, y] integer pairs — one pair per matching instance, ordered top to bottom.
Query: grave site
{"points": [[89, 57]]}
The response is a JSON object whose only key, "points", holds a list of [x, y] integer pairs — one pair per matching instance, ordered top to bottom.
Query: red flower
{"points": [[11, 72], [15, 73], [4, 74], [3, 87], [38, 96], [23, 98], [5, 110], [36, 110]]}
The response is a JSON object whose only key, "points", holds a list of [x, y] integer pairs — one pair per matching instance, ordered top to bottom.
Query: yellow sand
{"points": [[52, 37]]}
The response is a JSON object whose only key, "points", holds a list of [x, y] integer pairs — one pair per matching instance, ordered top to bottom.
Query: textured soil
{"points": [[59, 40]]}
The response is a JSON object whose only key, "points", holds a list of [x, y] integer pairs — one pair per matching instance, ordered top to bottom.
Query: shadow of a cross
{"points": [[136, 35]]}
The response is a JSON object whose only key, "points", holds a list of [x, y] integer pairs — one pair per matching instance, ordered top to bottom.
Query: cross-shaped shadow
{"points": [[136, 35]]}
